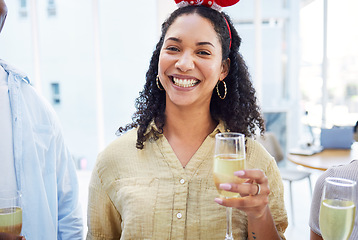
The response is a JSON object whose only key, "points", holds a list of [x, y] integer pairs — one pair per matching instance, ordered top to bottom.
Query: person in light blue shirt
{"points": [[35, 160]]}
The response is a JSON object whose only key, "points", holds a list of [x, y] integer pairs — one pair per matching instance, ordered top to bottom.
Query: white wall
{"points": [[128, 34]]}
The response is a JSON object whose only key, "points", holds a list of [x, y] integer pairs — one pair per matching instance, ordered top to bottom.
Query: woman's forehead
{"points": [[191, 18], [193, 25]]}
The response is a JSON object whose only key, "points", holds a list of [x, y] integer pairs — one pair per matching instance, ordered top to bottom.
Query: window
{"points": [[23, 8], [51, 8], [55, 87], [341, 104]]}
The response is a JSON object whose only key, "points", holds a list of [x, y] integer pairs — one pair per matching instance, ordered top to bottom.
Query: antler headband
{"points": [[215, 4]]}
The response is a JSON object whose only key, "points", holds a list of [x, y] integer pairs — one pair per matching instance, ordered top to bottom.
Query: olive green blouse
{"points": [[147, 194]]}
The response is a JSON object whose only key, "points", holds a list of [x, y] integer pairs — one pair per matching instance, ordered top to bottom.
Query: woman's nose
{"points": [[185, 62]]}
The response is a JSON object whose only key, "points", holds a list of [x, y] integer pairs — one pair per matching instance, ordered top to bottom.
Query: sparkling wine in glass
{"points": [[229, 157], [10, 212], [337, 212]]}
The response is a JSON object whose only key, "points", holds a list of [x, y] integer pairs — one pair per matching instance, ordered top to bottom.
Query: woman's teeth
{"points": [[184, 82]]}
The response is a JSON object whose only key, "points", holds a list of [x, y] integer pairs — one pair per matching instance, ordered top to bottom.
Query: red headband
{"points": [[215, 4], [228, 28]]}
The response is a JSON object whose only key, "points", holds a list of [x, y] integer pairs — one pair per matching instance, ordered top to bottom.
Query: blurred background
{"points": [[89, 59]]}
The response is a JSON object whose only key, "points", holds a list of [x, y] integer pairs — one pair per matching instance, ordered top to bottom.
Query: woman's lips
{"points": [[184, 82]]}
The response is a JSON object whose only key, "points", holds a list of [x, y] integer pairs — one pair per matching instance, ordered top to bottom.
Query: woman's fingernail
{"points": [[239, 173], [225, 186], [218, 200]]}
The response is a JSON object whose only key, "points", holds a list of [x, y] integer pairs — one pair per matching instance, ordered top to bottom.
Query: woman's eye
{"points": [[174, 49], [204, 53]]}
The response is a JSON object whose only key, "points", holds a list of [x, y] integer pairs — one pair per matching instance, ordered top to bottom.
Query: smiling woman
{"points": [[190, 62], [239, 110], [155, 181]]}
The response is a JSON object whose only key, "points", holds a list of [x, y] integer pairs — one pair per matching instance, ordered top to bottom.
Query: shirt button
{"points": [[182, 181], [179, 215]]}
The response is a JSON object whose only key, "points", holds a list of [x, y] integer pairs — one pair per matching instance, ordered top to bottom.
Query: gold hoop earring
{"points": [[157, 81], [217, 89]]}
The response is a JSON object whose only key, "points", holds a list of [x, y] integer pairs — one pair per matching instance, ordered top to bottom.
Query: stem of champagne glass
{"points": [[229, 224]]}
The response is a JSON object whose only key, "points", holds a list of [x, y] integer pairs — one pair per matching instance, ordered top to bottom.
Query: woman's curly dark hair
{"points": [[238, 110]]}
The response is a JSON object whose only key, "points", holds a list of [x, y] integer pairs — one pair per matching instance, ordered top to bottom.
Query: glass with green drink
{"points": [[229, 157], [10, 212], [337, 212]]}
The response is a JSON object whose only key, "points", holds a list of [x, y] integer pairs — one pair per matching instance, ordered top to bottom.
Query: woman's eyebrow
{"points": [[174, 39], [205, 43], [198, 44]]}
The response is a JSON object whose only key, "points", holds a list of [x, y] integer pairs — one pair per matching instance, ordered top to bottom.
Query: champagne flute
{"points": [[229, 157], [10, 212], [337, 212]]}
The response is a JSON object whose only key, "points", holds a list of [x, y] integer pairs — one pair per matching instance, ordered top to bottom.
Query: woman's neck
{"points": [[188, 123], [186, 130]]}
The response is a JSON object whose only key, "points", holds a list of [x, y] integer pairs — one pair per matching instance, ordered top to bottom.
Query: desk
{"points": [[325, 159]]}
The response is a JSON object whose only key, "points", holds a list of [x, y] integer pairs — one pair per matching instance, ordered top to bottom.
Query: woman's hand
{"points": [[254, 193], [254, 202], [8, 236]]}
